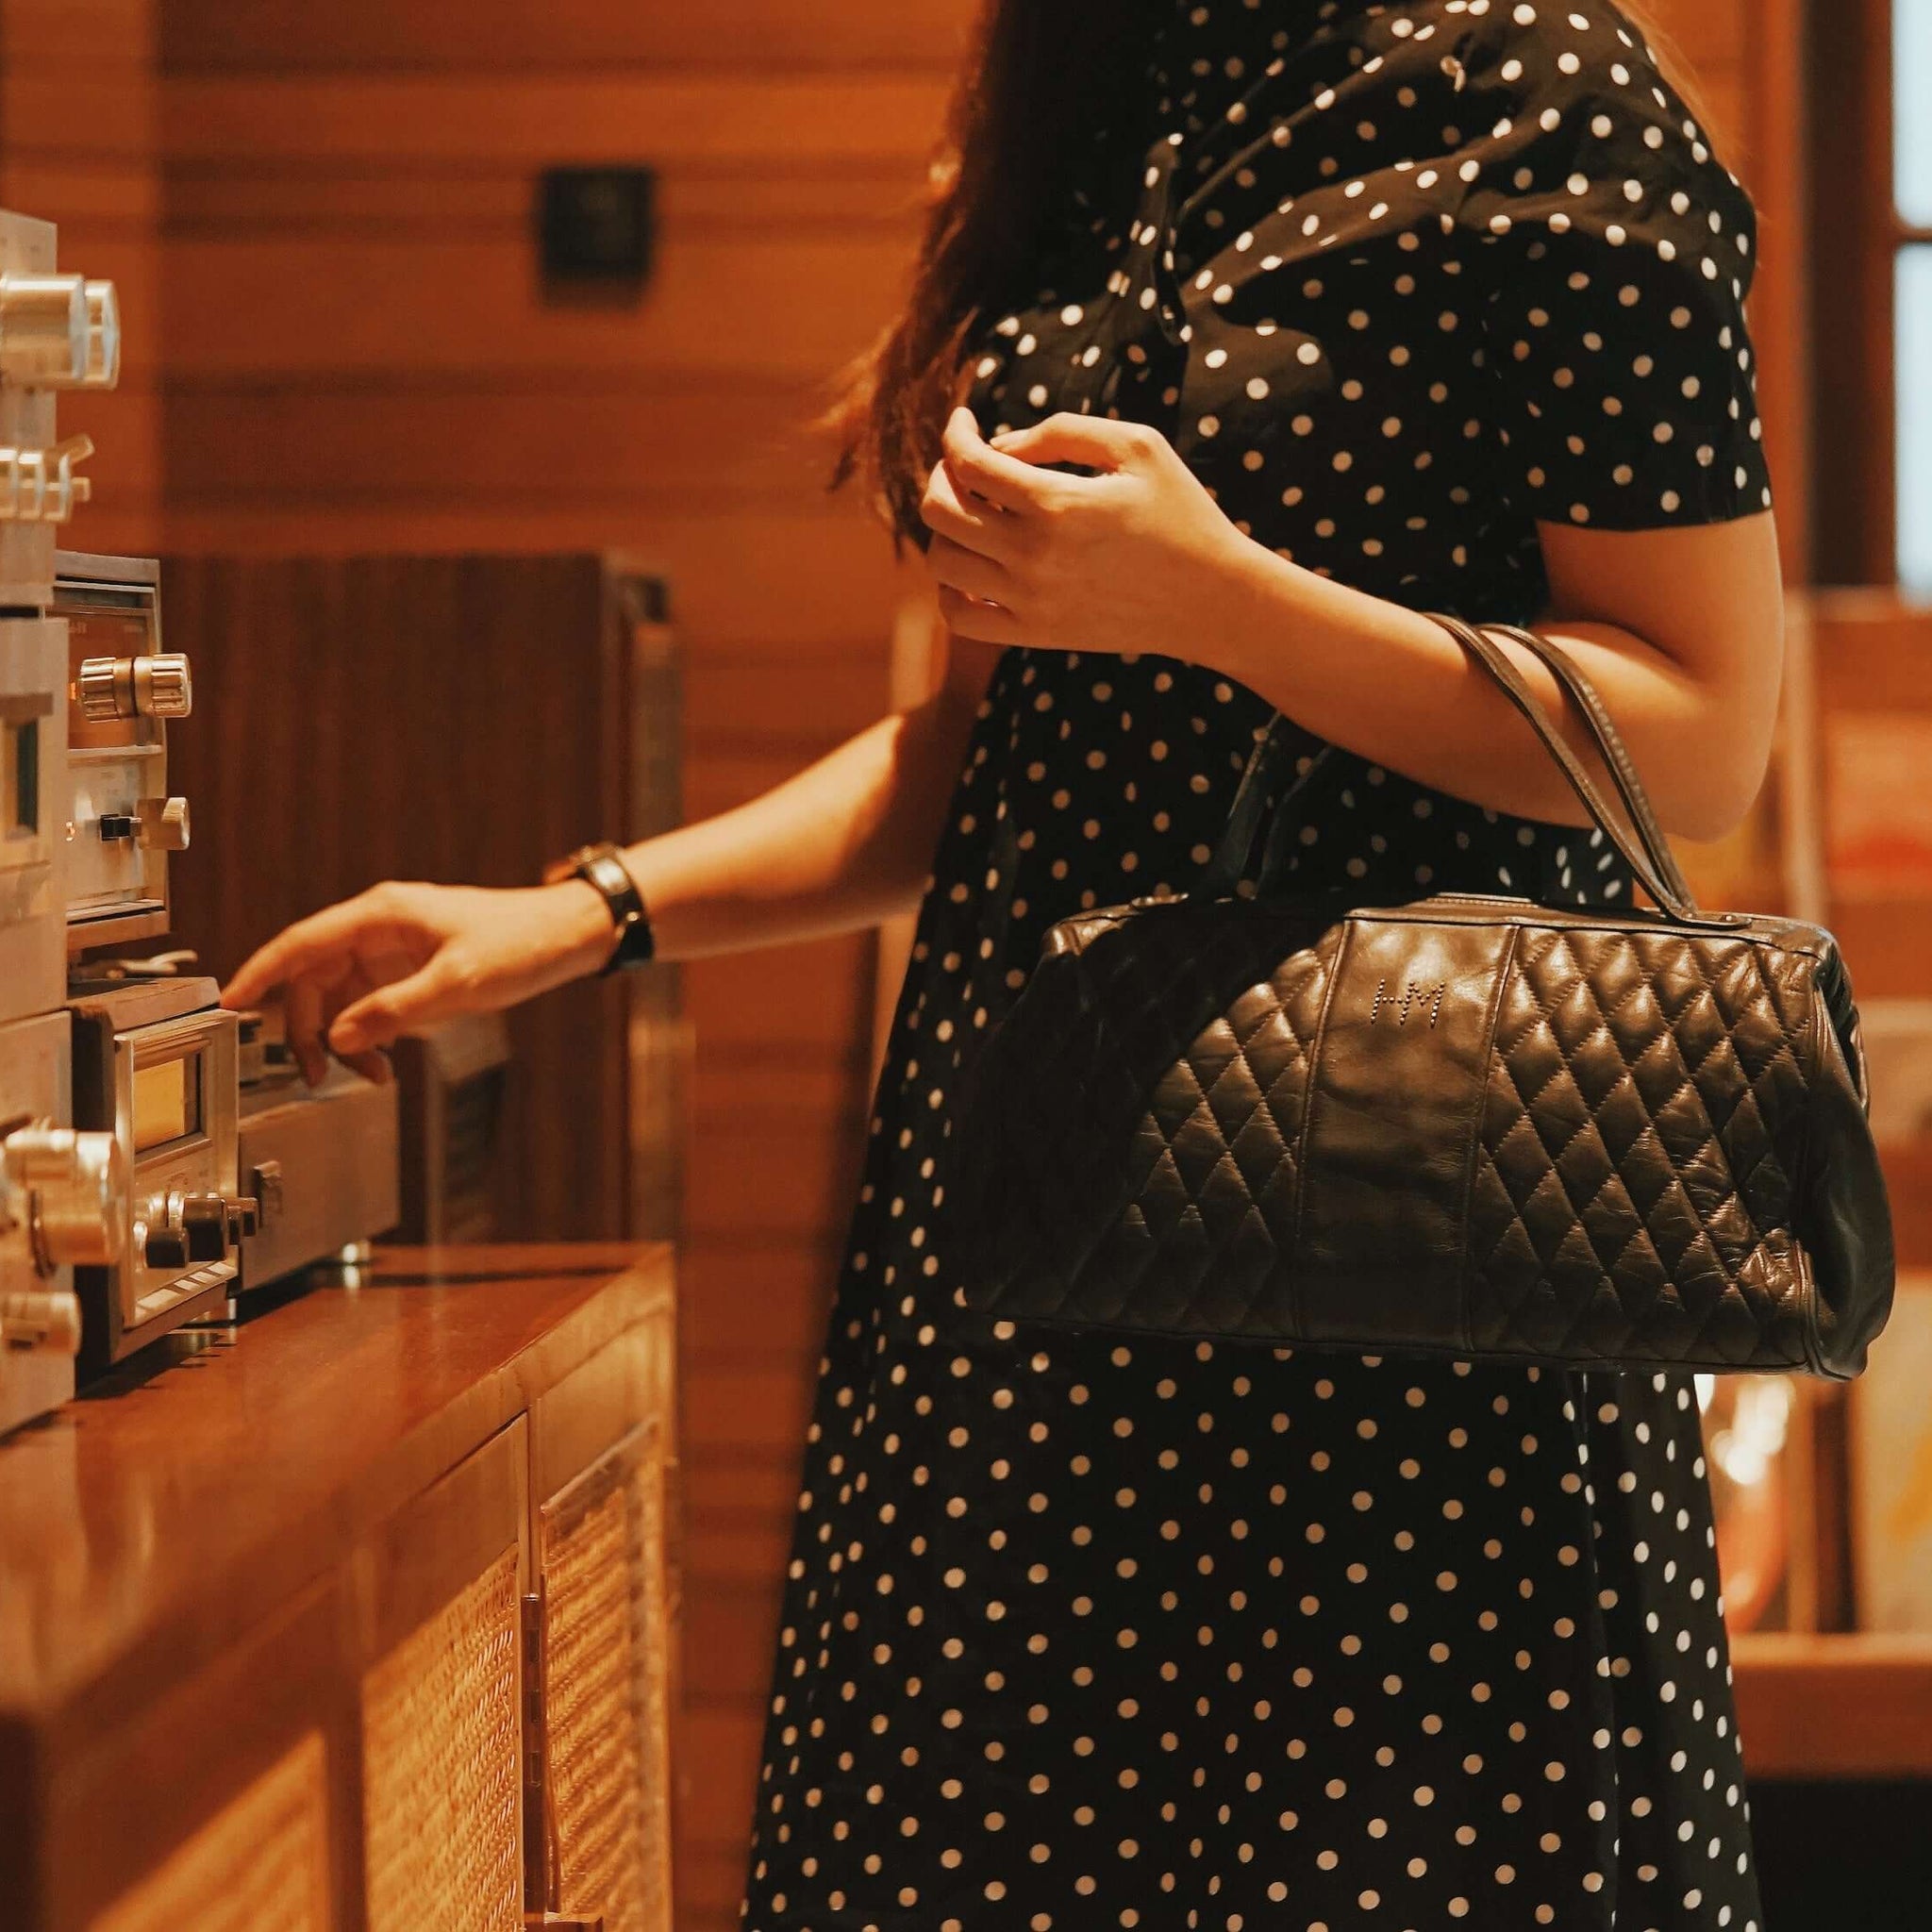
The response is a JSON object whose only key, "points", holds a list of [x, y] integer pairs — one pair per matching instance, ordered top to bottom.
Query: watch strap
{"points": [[601, 866]]}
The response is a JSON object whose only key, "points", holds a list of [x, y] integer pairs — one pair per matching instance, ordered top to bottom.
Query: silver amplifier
{"points": [[56, 332], [123, 689], [33, 776], [155, 1065], [320, 1164], [62, 1193], [63, 1198]]}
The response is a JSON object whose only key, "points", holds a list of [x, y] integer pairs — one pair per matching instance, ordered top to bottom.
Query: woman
{"points": [[1276, 322]]}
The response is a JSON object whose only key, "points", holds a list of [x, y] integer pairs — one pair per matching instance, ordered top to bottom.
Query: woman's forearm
{"points": [[1386, 683], [844, 845]]}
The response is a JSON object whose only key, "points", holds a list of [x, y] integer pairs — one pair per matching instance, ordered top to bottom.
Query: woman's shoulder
{"points": [[1577, 78]]}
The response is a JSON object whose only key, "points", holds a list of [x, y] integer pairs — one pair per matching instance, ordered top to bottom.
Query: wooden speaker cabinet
{"points": [[458, 718]]}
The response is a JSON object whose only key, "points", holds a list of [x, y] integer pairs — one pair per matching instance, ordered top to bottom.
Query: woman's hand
{"points": [[1123, 561], [397, 957]]}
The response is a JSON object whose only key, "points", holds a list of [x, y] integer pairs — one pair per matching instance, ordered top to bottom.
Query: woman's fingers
{"points": [[1096, 442], [976, 467], [978, 526], [960, 569], [985, 623], [324, 939], [380, 1018], [302, 1022], [376, 1068]]}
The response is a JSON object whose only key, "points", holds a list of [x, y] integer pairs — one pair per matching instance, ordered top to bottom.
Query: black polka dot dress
{"points": [[1087, 1631]]}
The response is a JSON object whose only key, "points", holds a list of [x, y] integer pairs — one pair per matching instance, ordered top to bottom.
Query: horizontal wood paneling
{"points": [[272, 36], [92, 116], [672, 120], [473, 199], [398, 305], [656, 444], [809, 997], [740, 1188], [744, 1408], [747, 1489], [738, 1627]]}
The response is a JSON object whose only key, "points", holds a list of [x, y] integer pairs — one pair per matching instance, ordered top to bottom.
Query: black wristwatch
{"points": [[602, 867]]}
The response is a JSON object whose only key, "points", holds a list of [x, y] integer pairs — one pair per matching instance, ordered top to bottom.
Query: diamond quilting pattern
{"points": [[1203, 1025], [1640, 1090]]}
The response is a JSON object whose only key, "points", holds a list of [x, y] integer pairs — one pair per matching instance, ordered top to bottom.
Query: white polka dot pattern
{"points": [[1085, 1634]]}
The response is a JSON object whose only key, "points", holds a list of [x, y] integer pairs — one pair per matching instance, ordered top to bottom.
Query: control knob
{"points": [[45, 337], [103, 370], [40, 486], [156, 687], [163, 824], [72, 1188], [204, 1226], [191, 1230], [164, 1250], [41, 1319]]}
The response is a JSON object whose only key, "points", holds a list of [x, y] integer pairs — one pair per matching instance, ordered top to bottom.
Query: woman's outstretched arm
{"points": [[841, 845]]}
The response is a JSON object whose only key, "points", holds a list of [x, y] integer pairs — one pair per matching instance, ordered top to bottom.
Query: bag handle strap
{"points": [[1610, 748], [1275, 753], [1640, 842]]}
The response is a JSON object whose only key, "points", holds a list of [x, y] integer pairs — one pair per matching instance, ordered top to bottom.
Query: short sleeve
{"points": [[1617, 251]]}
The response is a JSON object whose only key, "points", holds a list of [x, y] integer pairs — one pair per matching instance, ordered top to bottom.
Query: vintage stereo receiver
{"points": [[57, 331], [33, 760], [121, 822], [155, 1066], [321, 1164], [63, 1194], [63, 1198]]}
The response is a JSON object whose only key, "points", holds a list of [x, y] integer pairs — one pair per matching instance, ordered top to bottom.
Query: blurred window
{"points": [[1912, 198]]}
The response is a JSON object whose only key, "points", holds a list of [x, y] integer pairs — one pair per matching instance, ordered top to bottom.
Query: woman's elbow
{"points": [[1721, 769], [1719, 804]]}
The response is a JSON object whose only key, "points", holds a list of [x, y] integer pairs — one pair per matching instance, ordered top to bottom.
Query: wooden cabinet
{"points": [[606, 1610], [361, 1616], [439, 1696], [262, 1860]]}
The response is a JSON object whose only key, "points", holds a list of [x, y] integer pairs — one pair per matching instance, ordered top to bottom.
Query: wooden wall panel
{"points": [[276, 36], [672, 118], [388, 302], [296, 662]]}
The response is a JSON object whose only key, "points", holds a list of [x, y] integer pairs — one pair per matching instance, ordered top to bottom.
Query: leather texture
{"points": [[1463, 1126]]}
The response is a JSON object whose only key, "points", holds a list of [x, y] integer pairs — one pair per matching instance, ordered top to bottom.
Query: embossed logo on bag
{"points": [[1415, 999]]}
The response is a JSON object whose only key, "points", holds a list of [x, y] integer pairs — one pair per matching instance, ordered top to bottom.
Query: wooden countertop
{"points": [[151, 1521], [148, 1524], [1835, 1707]]}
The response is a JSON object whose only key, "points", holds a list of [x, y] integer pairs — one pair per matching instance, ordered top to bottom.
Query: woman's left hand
{"points": [[1124, 561]]}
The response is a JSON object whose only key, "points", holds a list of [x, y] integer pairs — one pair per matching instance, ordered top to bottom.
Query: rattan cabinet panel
{"points": [[606, 1689], [440, 1768], [261, 1860]]}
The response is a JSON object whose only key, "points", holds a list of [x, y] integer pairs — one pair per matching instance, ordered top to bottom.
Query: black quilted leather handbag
{"points": [[1465, 1125]]}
